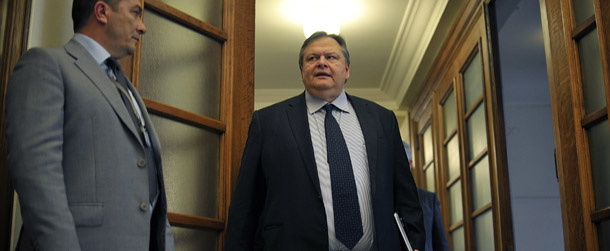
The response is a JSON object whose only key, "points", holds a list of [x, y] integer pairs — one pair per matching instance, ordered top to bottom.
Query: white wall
{"points": [[51, 23], [534, 189]]}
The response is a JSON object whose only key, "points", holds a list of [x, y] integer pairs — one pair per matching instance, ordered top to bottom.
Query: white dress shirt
{"points": [[350, 127]]}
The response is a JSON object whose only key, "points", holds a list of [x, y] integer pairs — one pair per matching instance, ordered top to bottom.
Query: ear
{"points": [[100, 12], [347, 72]]}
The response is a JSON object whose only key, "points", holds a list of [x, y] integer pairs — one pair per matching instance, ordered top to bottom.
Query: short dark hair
{"points": [[82, 10], [321, 34]]}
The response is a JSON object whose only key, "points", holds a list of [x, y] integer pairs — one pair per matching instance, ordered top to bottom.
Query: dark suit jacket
{"points": [[74, 154], [277, 203], [436, 240]]}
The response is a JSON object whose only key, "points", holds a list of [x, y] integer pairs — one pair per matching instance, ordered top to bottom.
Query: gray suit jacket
{"points": [[73, 154]]}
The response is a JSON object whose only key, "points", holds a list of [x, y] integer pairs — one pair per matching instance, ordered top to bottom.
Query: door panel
{"points": [[578, 55]]}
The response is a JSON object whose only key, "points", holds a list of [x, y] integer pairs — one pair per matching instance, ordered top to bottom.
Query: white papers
{"points": [[403, 233]]}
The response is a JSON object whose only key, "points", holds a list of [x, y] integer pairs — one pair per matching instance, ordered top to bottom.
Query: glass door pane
{"points": [[583, 9], [209, 11], [592, 72], [184, 73], [473, 82], [450, 114], [477, 132], [428, 146], [599, 148], [453, 158], [191, 161], [430, 181], [481, 187], [455, 202], [484, 231], [603, 231], [194, 239], [457, 239]]}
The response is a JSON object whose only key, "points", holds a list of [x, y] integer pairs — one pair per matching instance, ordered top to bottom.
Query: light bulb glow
{"points": [[325, 15]]}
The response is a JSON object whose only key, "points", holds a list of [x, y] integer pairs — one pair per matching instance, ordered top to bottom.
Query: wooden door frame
{"points": [[473, 13], [14, 45], [579, 230]]}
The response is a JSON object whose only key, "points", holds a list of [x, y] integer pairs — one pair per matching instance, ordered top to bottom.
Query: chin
{"points": [[130, 51]]}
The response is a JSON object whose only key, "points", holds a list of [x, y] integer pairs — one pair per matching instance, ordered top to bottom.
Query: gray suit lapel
{"points": [[84, 61], [297, 118], [368, 124]]}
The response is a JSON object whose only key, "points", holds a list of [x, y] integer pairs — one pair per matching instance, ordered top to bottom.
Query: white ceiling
{"points": [[386, 44]]}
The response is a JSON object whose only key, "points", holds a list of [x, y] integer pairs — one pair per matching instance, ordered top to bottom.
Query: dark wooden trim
{"points": [[186, 20], [584, 29], [603, 29], [14, 45], [450, 48], [238, 93], [440, 96], [475, 105], [177, 114], [594, 118], [563, 124], [450, 136], [418, 155], [498, 157], [477, 158], [429, 164], [452, 182], [481, 210], [600, 215], [195, 222], [455, 226]]}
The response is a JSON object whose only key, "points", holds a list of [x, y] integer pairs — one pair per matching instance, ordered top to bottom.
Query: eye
{"points": [[137, 12], [311, 58]]}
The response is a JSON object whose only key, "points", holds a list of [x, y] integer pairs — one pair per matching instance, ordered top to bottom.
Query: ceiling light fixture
{"points": [[321, 15]]}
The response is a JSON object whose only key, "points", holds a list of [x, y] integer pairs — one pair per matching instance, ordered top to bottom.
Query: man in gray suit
{"points": [[83, 155]]}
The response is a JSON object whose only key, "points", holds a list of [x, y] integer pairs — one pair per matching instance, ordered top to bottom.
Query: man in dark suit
{"points": [[82, 153], [323, 170], [436, 239]]}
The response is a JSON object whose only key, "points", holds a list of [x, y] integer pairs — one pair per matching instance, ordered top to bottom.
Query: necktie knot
{"points": [[113, 64], [329, 108]]}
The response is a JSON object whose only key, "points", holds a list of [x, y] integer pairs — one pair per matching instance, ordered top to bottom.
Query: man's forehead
{"points": [[131, 3], [323, 43]]}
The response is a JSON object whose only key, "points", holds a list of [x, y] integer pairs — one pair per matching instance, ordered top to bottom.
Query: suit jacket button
{"points": [[142, 162], [144, 206]]}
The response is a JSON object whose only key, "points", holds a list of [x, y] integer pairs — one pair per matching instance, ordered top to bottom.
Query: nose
{"points": [[141, 29], [322, 62]]}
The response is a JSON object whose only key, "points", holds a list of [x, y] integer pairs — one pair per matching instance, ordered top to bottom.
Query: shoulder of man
{"points": [[358, 101], [279, 106]]}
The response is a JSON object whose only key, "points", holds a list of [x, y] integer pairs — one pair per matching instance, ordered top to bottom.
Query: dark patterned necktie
{"points": [[123, 88], [348, 223]]}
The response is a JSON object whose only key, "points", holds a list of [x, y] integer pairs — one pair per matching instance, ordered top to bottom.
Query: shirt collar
{"points": [[96, 50], [314, 103]]}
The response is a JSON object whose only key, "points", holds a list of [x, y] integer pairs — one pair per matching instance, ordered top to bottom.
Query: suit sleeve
{"points": [[34, 130], [405, 192], [249, 194], [439, 238]]}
